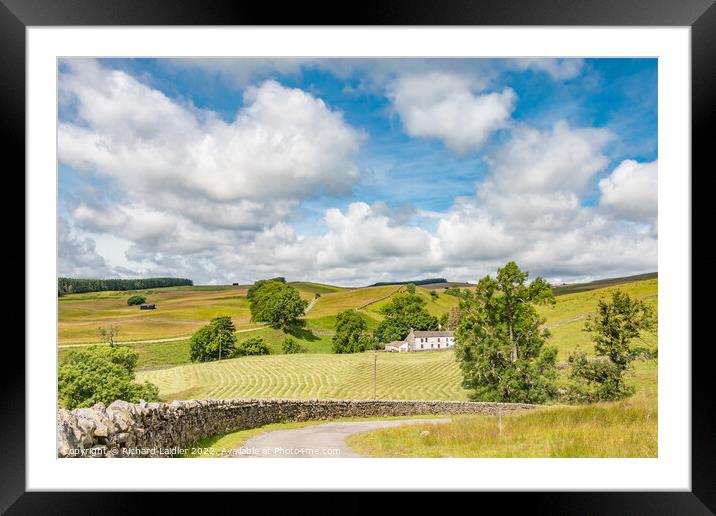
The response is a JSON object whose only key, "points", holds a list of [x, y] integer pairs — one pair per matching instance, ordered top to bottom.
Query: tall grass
{"points": [[621, 429]]}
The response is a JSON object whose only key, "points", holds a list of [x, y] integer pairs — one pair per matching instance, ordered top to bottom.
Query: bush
{"points": [[453, 291], [433, 295], [136, 300], [614, 325], [215, 341], [252, 346], [290, 346], [644, 353], [101, 374], [595, 379]]}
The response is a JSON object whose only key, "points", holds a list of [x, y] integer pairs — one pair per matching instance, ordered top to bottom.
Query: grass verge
{"points": [[627, 428]]}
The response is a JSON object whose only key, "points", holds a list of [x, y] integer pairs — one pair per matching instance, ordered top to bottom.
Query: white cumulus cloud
{"points": [[444, 106], [282, 146], [562, 158], [631, 190], [191, 194], [530, 208], [77, 254]]}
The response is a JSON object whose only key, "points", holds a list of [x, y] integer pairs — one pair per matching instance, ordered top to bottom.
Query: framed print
{"points": [[443, 249]]}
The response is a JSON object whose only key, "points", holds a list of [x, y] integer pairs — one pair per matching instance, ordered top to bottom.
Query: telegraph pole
{"points": [[375, 372]]}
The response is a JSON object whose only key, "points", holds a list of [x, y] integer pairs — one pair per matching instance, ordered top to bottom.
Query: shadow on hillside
{"points": [[300, 331]]}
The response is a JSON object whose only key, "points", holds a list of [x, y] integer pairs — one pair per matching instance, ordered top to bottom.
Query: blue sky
{"points": [[427, 175]]}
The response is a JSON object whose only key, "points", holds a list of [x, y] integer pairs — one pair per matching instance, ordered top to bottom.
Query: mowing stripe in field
{"points": [[429, 375]]}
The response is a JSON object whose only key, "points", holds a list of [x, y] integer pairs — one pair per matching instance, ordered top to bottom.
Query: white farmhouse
{"points": [[423, 341]]}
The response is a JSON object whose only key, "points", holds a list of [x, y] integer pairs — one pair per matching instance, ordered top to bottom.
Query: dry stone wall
{"points": [[143, 429]]}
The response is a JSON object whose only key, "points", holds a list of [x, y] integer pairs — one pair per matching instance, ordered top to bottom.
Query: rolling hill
{"points": [[571, 288], [180, 311], [433, 375]]}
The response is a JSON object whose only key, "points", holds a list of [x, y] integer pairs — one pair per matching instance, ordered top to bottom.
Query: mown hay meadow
{"points": [[622, 429]]}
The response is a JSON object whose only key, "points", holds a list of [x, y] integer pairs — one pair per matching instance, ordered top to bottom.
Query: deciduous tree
{"points": [[276, 303], [403, 312], [614, 325], [351, 333], [108, 334], [214, 341], [499, 341]]}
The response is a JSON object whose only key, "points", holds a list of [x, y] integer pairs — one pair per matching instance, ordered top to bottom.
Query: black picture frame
{"points": [[700, 15]]}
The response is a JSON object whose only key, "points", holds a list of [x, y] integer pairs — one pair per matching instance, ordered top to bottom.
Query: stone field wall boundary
{"points": [[155, 429]]}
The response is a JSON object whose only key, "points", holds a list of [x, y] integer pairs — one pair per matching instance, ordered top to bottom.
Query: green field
{"points": [[315, 288], [572, 288], [331, 304], [182, 310], [565, 319], [161, 337], [176, 352], [317, 373], [349, 376], [400, 376], [626, 428], [621, 429]]}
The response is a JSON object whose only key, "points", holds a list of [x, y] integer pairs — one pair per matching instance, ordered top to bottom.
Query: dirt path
{"points": [[327, 440]]}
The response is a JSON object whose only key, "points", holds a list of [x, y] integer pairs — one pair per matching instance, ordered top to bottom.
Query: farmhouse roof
{"points": [[434, 333], [395, 343]]}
